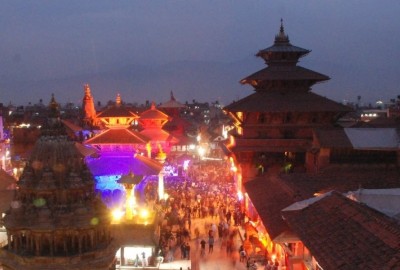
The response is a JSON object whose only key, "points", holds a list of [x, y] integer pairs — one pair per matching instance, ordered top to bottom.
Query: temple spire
{"points": [[281, 37], [87, 90], [172, 96], [118, 100], [54, 107], [89, 112]]}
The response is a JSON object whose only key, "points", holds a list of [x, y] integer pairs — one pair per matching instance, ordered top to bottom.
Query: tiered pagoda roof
{"points": [[279, 73], [283, 85], [274, 101], [117, 115], [153, 118], [118, 119], [152, 122], [176, 124], [158, 135], [117, 136]]}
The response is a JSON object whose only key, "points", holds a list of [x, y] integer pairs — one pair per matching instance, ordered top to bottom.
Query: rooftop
{"points": [[361, 237]]}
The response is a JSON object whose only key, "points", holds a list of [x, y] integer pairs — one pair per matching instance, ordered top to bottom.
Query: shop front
{"points": [[135, 256]]}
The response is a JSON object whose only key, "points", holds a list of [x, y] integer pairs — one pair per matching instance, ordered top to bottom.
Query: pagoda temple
{"points": [[172, 107], [152, 122], [275, 125], [178, 126], [118, 146], [56, 220]]}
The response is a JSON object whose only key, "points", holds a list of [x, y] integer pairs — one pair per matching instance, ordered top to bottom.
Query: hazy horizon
{"points": [[197, 49]]}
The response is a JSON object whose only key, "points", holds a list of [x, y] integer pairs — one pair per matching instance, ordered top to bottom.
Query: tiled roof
{"points": [[283, 48], [287, 73], [275, 101], [172, 104], [117, 111], [153, 114], [179, 122], [71, 126], [157, 134], [118, 136], [332, 138], [85, 150], [343, 178], [269, 197], [344, 234]]}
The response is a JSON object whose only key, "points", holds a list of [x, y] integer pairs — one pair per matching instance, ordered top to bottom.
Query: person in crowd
{"points": [[210, 244], [202, 248]]}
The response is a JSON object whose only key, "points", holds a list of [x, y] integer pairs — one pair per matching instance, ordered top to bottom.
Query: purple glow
{"points": [[109, 167]]}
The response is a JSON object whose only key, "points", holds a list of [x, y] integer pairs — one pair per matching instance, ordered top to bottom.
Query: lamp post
{"points": [[129, 181], [161, 185]]}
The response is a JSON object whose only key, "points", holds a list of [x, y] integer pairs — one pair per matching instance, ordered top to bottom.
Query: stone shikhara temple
{"points": [[55, 220]]}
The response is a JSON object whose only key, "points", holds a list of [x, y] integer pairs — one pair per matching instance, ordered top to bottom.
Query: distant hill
{"points": [[197, 80], [201, 81]]}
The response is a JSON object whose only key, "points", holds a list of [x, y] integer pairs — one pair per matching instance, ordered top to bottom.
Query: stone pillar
{"points": [[9, 241], [20, 241], [55, 241], [92, 241], [15, 242], [51, 242], [32, 244], [80, 244], [37, 245], [65, 246], [122, 255]]}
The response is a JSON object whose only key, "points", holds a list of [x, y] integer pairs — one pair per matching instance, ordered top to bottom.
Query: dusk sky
{"points": [[197, 49]]}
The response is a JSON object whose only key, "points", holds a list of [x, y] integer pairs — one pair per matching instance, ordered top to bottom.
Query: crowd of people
{"points": [[202, 205], [202, 209]]}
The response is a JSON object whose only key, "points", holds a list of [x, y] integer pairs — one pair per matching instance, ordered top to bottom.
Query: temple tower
{"points": [[89, 112], [275, 124], [56, 221]]}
